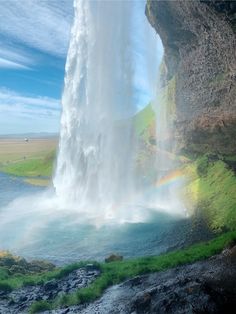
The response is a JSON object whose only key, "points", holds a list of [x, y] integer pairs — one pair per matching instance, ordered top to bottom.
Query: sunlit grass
{"points": [[144, 120], [211, 189]]}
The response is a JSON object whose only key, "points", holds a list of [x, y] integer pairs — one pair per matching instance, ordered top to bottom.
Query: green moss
{"points": [[218, 78], [143, 120], [230, 158], [202, 166], [32, 167], [211, 189], [114, 273], [4, 274], [40, 306]]}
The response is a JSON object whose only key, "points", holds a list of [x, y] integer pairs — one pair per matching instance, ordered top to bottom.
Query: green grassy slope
{"points": [[144, 119], [211, 190]]}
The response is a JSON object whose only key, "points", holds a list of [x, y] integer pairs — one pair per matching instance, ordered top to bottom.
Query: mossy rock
{"points": [[113, 258], [18, 265], [40, 266], [17, 269]]}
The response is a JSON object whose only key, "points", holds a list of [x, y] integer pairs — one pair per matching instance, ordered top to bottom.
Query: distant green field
{"points": [[33, 159], [37, 167]]}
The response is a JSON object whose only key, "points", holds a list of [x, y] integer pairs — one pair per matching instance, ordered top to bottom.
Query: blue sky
{"points": [[34, 36]]}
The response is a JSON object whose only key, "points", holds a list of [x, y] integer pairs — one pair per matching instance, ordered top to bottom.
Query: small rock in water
{"points": [[114, 258]]}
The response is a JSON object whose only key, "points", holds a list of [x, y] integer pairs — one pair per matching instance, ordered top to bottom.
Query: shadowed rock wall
{"points": [[200, 51]]}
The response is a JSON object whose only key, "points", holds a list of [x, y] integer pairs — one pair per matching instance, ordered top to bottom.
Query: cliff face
{"points": [[200, 52]]}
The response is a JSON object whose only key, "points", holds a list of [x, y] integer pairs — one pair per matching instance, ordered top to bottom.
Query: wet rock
{"points": [[199, 41], [113, 258], [19, 265], [40, 266], [91, 267], [17, 269], [50, 285], [202, 287], [19, 300], [141, 303]]}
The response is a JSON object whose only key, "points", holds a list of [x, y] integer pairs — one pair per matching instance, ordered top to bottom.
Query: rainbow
{"points": [[170, 178]]}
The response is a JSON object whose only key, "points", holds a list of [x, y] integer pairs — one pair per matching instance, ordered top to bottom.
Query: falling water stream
{"points": [[96, 161], [96, 206]]}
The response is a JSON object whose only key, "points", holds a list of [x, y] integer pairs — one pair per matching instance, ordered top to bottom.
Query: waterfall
{"points": [[103, 89], [108, 173]]}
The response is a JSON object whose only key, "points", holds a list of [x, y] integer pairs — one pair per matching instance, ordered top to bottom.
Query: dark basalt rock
{"points": [[199, 39], [51, 285], [202, 287], [18, 301]]}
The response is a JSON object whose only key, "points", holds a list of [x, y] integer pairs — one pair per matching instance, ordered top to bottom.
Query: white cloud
{"points": [[40, 24], [15, 58], [5, 63], [29, 113], [32, 113]]}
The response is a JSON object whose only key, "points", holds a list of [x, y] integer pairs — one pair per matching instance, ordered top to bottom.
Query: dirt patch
{"points": [[14, 150]]}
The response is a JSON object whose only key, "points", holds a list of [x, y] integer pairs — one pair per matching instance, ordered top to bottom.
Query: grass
{"points": [[144, 120], [33, 159], [32, 167], [211, 188], [116, 272], [18, 280], [40, 306]]}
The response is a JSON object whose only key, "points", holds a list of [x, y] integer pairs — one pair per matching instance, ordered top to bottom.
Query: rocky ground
{"points": [[203, 287], [18, 301]]}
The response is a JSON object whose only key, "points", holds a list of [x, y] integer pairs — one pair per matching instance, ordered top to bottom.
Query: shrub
{"points": [[202, 166], [5, 287], [39, 306]]}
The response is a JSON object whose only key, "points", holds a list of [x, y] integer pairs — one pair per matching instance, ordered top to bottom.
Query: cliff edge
{"points": [[200, 52]]}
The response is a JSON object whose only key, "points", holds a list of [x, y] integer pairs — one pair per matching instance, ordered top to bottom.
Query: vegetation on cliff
{"points": [[210, 192]]}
